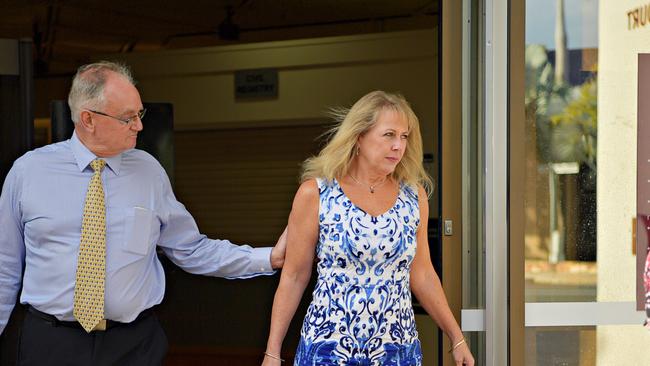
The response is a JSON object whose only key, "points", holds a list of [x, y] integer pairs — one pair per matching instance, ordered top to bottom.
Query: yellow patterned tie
{"points": [[91, 263]]}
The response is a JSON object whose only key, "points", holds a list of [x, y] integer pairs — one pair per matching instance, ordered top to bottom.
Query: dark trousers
{"points": [[42, 342]]}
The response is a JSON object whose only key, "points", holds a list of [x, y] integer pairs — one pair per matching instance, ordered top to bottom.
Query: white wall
{"points": [[313, 74], [617, 111]]}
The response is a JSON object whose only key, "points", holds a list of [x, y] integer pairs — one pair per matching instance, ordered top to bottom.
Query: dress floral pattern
{"points": [[361, 312]]}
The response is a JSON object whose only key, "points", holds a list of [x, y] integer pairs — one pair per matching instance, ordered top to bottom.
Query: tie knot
{"points": [[98, 165]]}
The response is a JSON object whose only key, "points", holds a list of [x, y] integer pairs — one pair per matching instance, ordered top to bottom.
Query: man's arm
{"points": [[182, 242], [12, 247]]}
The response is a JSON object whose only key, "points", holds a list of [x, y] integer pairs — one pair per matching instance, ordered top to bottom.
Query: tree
{"points": [[574, 130]]}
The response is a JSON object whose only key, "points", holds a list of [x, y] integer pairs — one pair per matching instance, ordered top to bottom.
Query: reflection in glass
{"points": [[561, 145], [566, 346]]}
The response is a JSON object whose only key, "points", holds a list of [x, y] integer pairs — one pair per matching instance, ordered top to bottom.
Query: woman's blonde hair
{"points": [[335, 158]]}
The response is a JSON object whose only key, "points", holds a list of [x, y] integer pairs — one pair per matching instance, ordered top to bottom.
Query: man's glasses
{"points": [[125, 121]]}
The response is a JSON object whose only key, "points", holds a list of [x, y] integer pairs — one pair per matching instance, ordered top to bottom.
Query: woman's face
{"points": [[381, 148]]}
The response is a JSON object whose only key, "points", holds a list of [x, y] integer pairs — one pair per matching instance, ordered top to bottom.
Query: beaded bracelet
{"points": [[457, 345], [274, 356]]}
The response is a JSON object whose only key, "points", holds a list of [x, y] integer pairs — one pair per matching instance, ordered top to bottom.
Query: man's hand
{"points": [[279, 250]]}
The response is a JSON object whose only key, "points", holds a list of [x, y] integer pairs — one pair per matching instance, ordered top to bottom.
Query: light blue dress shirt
{"points": [[41, 209]]}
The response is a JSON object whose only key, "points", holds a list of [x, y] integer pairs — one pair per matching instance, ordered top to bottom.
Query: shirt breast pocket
{"points": [[139, 230]]}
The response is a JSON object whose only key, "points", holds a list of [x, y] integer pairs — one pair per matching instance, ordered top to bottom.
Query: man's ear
{"points": [[86, 121]]}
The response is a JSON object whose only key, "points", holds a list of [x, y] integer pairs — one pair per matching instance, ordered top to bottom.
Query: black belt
{"points": [[74, 324]]}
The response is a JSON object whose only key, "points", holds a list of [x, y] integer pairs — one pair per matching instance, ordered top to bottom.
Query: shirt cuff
{"points": [[261, 260], [260, 263]]}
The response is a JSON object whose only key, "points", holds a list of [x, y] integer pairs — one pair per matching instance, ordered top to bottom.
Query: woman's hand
{"points": [[463, 356], [269, 361]]}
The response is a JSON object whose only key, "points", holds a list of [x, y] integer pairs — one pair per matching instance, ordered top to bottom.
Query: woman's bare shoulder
{"points": [[307, 192]]}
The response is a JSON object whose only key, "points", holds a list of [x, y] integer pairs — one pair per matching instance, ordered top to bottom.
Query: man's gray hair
{"points": [[87, 89]]}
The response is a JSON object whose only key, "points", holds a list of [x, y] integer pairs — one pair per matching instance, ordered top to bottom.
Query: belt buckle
{"points": [[100, 326]]}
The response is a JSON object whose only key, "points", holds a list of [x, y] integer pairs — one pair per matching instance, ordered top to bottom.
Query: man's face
{"points": [[121, 100]]}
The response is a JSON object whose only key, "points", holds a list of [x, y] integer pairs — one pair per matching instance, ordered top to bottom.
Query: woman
{"points": [[362, 209], [646, 285]]}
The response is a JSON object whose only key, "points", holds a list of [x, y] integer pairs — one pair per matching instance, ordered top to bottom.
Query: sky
{"points": [[580, 19]]}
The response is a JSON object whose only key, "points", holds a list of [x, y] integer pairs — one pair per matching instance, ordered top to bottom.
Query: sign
{"points": [[638, 17], [261, 83], [642, 176]]}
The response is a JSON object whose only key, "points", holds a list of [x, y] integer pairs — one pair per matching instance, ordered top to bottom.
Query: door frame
{"points": [[451, 158], [502, 320]]}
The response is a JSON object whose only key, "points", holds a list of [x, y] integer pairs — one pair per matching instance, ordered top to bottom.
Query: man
{"points": [[82, 219]]}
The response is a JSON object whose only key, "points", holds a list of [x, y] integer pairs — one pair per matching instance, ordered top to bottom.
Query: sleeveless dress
{"points": [[361, 312]]}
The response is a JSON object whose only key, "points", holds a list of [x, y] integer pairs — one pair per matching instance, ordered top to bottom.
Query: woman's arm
{"points": [[302, 236], [426, 286]]}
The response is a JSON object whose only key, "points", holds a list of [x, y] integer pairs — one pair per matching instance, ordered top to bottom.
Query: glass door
{"points": [[581, 92], [552, 126], [473, 173], [493, 293]]}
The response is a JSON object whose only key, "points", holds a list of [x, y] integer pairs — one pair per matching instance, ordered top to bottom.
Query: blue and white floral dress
{"points": [[361, 312]]}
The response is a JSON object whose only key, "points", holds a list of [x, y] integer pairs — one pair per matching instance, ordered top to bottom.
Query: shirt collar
{"points": [[83, 156]]}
